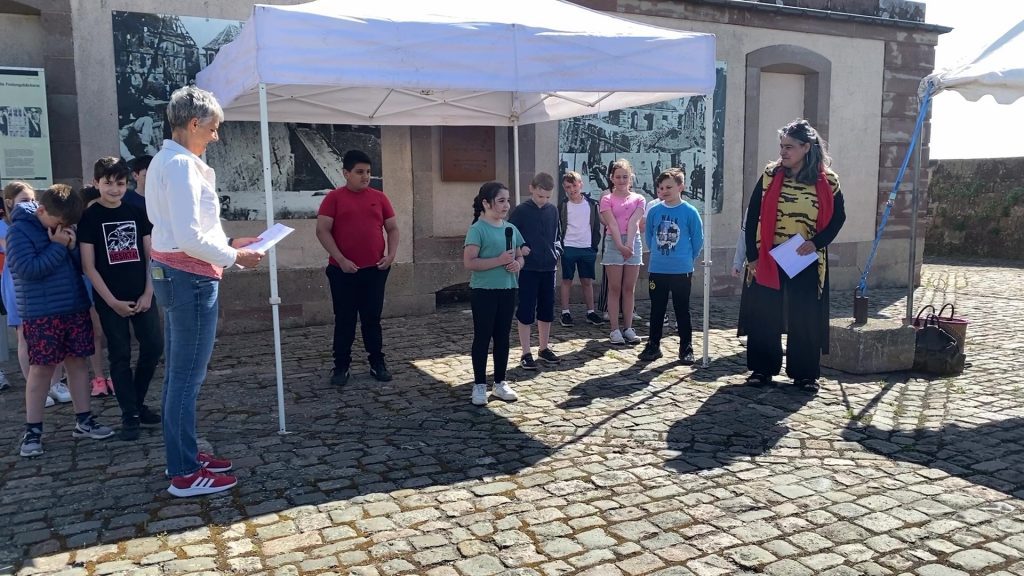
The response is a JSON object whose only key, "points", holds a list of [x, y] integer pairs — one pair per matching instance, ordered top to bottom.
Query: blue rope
{"points": [[862, 286]]}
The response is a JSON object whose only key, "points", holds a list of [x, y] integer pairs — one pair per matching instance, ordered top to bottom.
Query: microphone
{"points": [[508, 238]]}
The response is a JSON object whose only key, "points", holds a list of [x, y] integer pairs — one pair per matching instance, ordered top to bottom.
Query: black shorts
{"points": [[536, 296]]}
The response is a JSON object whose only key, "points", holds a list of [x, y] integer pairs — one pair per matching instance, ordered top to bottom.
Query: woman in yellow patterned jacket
{"points": [[796, 194]]}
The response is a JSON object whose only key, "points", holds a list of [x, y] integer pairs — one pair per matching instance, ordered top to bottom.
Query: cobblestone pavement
{"points": [[605, 466]]}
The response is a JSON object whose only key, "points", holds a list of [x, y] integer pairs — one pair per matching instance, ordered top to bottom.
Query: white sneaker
{"points": [[605, 316], [637, 317], [630, 336], [616, 337], [4, 384], [59, 392], [505, 392], [479, 394], [49, 401]]}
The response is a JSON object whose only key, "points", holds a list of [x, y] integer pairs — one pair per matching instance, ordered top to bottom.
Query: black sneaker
{"points": [[595, 318], [566, 319], [651, 352], [548, 356], [686, 356], [527, 362], [379, 370], [339, 377], [758, 380], [808, 384], [147, 417], [131, 428]]}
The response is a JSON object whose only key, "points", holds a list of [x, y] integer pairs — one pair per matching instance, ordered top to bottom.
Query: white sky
{"points": [[983, 129]]}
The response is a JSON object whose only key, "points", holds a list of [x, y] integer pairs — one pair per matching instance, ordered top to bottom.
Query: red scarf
{"points": [[767, 273]]}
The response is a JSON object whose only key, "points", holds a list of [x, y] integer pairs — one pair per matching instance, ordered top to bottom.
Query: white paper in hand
{"points": [[269, 237], [791, 262]]}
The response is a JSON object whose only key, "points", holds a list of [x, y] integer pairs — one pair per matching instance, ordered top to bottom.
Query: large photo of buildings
{"points": [[155, 54], [653, 138]]}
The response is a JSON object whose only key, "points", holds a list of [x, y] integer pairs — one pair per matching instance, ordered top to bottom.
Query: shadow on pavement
{"points": [[636, 376], [735, 421], [368, 437], [990, 455]]}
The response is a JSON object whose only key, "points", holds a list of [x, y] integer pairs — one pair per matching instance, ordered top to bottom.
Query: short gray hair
{"points": [[190, 102]]}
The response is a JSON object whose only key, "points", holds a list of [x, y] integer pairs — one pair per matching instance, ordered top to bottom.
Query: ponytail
{"points": [[487, 193], [478, 208]]}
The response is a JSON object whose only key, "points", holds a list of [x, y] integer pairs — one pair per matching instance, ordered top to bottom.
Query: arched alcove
{"points": [[783, 59]]}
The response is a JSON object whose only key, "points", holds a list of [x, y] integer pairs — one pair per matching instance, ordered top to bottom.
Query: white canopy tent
{"points": [[451, 62], [997, 71]]}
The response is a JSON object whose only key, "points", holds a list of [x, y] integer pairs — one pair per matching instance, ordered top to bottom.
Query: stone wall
{"points": [[976, 208]]}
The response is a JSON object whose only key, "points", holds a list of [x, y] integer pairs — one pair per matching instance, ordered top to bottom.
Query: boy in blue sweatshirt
{"points": [[537, 220], [675, 234], [42, 253]]}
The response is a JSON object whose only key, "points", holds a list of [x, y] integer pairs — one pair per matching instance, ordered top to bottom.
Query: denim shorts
{"points": [[612, 256], [578, 259]]}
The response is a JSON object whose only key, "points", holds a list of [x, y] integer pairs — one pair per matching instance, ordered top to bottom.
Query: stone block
{"points": [[875, 347]]}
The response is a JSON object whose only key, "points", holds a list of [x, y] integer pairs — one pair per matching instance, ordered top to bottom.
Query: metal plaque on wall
{"points": [[467, 153]]}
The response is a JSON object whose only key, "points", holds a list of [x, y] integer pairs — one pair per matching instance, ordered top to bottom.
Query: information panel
{"points": [[24, 129]]}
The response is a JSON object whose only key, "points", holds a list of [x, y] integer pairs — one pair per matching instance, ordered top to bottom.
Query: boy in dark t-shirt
{"points": [[115, 242]]}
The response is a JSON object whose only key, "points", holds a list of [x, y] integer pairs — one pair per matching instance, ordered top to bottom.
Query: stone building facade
{"points": [[851, 67]]}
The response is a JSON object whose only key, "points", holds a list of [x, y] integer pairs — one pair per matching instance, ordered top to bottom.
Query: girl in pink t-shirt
{"points": [[622, 211]]}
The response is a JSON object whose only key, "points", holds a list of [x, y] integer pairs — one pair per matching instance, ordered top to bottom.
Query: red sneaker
{"points": [[211, 463], [214, 464], [200, 483]]}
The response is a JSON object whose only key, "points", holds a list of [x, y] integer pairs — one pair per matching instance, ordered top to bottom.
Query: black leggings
{"points": [[492, 319]]}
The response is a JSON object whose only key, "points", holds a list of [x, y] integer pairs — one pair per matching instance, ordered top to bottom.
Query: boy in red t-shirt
{"points": [[351, 225]]}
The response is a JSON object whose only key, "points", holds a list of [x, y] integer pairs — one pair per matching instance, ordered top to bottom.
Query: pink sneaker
{"points": [[99, 386]]}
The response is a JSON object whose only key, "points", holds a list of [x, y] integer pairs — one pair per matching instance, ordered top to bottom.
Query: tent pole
{"points": [[515, 158], [709, 196], [915, 200], [275, 300]]}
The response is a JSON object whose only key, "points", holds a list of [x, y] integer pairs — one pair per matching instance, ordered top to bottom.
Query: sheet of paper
{"points": [[269, 237], [791, 262]]}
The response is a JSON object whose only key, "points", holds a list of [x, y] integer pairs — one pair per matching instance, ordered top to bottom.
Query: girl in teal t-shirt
{"points": [[493, 267]]}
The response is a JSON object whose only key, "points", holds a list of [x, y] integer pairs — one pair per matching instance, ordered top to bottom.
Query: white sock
{"points": [[591, 311]]}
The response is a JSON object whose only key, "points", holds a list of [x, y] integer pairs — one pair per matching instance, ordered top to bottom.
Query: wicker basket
{"points": [[956, 327]]}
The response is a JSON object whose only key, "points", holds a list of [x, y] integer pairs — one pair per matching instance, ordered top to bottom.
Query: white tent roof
{"points": [[448, 62], [998, 70]]}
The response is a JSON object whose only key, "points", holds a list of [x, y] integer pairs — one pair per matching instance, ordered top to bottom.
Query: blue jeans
{"points": [[190, 325]]}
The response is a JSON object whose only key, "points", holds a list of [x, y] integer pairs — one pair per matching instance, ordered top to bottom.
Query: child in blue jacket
{"points": [[42, 254]]}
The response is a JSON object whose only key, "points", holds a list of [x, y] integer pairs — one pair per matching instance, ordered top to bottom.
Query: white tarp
{"points": [[451, 62], [997, 71]]}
